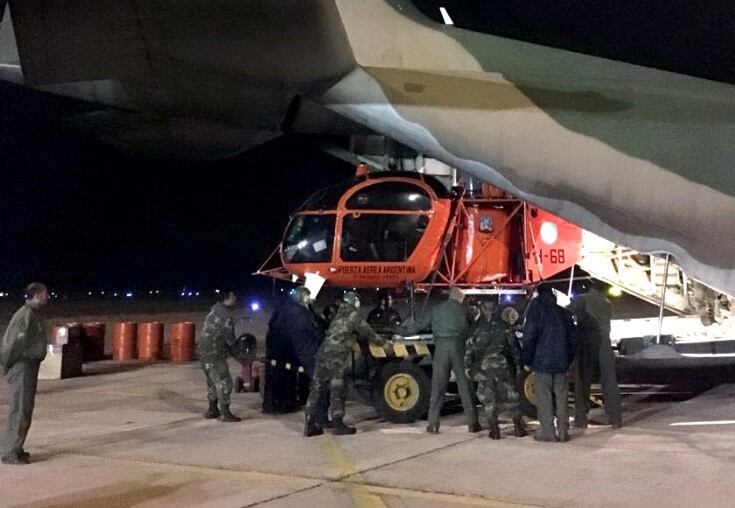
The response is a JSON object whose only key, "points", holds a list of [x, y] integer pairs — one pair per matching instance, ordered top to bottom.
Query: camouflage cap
{"points": [[352, 298]]}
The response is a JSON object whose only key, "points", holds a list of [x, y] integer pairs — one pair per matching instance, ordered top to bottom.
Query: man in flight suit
{"points": [[593, 312], [450, 322], [217, 336], [22, 351]]}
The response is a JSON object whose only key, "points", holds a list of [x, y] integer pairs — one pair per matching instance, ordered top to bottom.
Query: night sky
{"points": [[83, 216]]}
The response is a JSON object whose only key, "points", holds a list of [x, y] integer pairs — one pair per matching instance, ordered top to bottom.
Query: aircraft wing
{"points": [[639, 156]]}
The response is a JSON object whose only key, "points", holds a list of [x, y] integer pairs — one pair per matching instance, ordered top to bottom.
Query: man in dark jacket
{"points": [[384, 316], [450, 322], [218, 335], [22, 350], [548, 350], [280, 394]]}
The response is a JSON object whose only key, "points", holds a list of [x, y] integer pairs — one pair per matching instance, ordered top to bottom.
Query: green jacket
{"points": [[593, 310], [448, 320], [218, 334], [24, 339]]}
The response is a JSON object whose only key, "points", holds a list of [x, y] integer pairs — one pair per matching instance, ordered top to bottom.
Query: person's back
{"points": [[598, 307], [450, 320], [217, 333], [306, 336], [549, 344], [549, 348], [490, 353], [595, 355]]}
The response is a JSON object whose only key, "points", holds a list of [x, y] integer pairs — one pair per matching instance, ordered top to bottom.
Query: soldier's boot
{"points": [[213, 411], [226, 416], [326, 424], [519, 427], [311, 428], [494, 428], [340, 429], [15, 460]]}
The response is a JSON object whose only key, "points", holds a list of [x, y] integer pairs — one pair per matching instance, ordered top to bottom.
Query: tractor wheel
{"points": [[402, 392], [527, 392]]}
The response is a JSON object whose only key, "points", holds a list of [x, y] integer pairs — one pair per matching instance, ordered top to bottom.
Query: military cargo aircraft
{"points": [[641, 156]]}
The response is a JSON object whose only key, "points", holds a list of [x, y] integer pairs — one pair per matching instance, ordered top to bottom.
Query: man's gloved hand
{"points": [[527, 368]]}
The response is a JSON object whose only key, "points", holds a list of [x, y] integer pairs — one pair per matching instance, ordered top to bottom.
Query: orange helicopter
{"points": [[390, 229]]}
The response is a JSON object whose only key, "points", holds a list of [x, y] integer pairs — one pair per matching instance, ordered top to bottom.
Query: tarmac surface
{"points": [[132, 435]]}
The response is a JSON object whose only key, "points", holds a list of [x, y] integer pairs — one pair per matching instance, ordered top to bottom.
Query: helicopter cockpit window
{"points": [[390, 196], [376, 237], [309, 239]]}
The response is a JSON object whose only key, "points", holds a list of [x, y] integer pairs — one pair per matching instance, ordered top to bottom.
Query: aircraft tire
{"points": [[402, 392]]}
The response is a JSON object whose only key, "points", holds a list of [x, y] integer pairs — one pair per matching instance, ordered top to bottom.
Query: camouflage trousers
{"points": [[329, 377], [219, 381], [497, 392]]}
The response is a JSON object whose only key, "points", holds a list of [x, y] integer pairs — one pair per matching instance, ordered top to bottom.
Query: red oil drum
{"points": [[123, 340], [93, 341], [150, 341], [182, 342]]}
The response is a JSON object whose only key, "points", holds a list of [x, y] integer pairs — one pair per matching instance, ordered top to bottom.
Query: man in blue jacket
{"points": [[549, 347]]}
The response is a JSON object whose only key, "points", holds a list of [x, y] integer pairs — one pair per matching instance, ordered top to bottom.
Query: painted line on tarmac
{"points": [[714, 422], [346, 468], [365, 495], [444, 499]]}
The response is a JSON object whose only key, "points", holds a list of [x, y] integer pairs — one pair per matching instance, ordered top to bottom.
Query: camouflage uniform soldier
{"points": [[218, 334], [490, 350], [331, 365]]}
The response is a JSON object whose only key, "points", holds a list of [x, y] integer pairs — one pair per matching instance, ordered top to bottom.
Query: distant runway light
{"points": [[445, 16], [216, 291], [189, 293], [197, 293], [128, 294], [183, 294], [254, 306]]}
